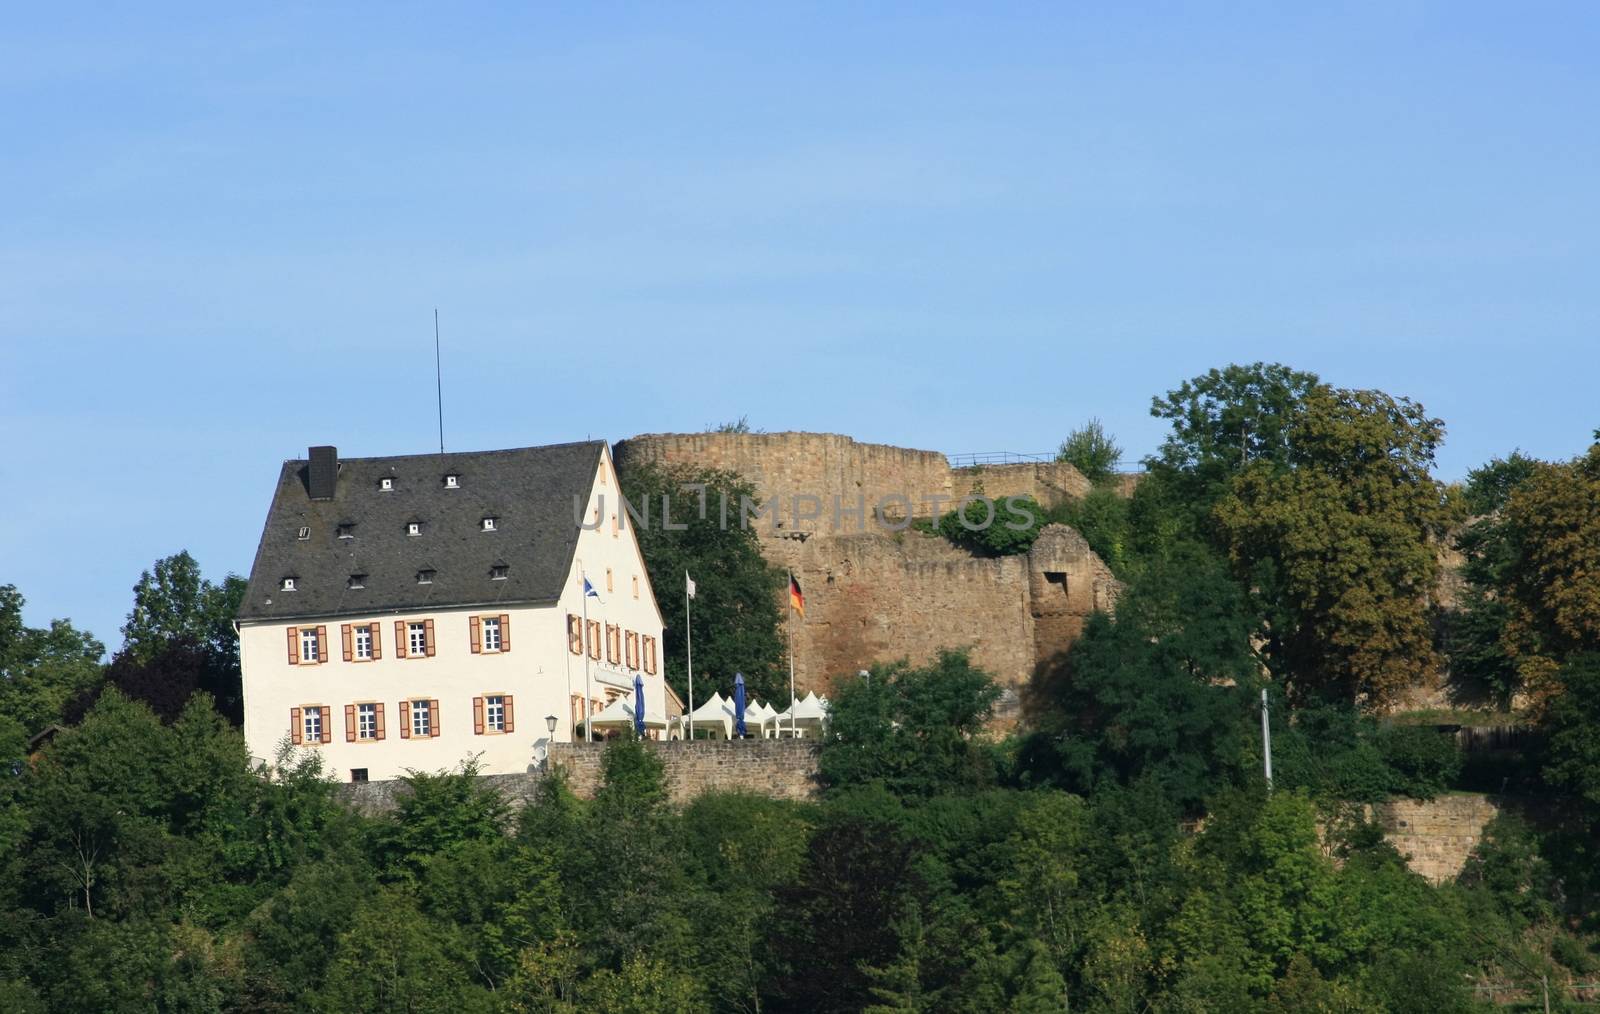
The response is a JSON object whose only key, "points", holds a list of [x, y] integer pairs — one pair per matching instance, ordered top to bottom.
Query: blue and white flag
{"points": [[588, 589]]}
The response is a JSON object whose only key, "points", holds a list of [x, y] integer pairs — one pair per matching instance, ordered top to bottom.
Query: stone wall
{"points": [[879, 595], [775, 768], [1438, 835]]}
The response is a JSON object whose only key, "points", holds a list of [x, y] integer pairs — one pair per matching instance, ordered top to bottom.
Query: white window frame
{"points": [[385, 485], [488, 524], [413, 528], [491, 633], [416, 638], [361, 643], [310, 650], [494, 713], [421, 720], [366, 722], [311, 726]]}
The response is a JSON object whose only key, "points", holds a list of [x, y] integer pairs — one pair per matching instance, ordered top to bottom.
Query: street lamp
{"points": [[549, 723]]}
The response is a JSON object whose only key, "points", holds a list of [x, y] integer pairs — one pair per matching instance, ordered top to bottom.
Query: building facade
{"points": [[415, 612]]}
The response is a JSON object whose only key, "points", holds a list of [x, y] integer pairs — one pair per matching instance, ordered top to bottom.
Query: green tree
{"points": [[1091, 450], [1338, 543], [173, 603], [736, 616], [42, 668], [913, 728], [392, 958]]}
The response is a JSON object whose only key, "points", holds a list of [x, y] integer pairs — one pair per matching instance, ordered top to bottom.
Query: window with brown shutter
{"points": [[427, 627], [505, 631], [574, 634], [473, 635], [399, 638], [594, 640], [347, 642], [613, 643], [322, 644], [377, 646], [294, 648], [633, 649], [649, 655], [577, 710], [477, 716], [433, 718], [405, 719], [349, 721], [327, 724], [510, 725], [295, 734]]}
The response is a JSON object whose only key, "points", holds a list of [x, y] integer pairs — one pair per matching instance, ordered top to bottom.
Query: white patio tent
{"points": [[619, 715], [807, 716]]}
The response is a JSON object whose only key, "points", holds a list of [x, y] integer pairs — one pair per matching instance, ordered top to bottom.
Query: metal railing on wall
{"points": [[977, 459]]}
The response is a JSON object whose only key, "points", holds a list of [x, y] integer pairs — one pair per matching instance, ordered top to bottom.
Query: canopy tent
{"points": [[808, 714], [619, 715], [714, 716], [758, 718]]}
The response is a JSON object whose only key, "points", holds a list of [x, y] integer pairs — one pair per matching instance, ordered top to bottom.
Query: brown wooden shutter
{"points": [[505, 631], [473, 633], [574, 634], [427, 636], [399, 638], [346, 640], [594, 640], [322, 644], [294, 648], [377, 650], [633, 650], [379, 709], [477, 716], [433, 718], [405, 719], [349, 723], [327, 724], [511, 726], [295, 731]]}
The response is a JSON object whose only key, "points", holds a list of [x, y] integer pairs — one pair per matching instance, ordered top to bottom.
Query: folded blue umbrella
{"points": [[638, 705], [738, 706]]}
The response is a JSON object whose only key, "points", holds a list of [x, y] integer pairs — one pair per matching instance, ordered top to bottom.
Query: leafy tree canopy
{"points": [[1091, 450], [42, 668]]}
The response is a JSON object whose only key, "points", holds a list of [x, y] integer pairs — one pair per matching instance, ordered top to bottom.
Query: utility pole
{"points": [[1266, 739]]}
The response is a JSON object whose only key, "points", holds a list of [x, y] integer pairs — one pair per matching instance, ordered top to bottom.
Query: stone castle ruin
{"points": [[877, 590]]}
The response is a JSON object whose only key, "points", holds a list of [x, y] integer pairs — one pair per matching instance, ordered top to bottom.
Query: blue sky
{"points": [[964, 228]]}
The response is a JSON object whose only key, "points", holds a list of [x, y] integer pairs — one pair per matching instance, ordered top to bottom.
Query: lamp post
{"points": [[549, 723]]}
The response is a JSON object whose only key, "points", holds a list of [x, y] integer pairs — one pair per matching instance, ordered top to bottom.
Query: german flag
{"points": [[797, 600]]}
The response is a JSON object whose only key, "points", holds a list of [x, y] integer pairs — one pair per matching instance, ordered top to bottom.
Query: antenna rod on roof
{"points": [[438, 377]]}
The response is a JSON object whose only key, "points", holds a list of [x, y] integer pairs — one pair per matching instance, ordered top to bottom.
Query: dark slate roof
{"points": [[529, 491]]}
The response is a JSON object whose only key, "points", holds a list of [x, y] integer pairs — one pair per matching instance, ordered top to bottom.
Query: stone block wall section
{"points": [[879, 595], [777, 769], [1436, 836]]}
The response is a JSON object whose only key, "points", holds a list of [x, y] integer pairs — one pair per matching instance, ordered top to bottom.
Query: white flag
{"points": [[688, 583]]}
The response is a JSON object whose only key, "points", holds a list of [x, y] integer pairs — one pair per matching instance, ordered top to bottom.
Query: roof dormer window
{"points": [[452, 481], [385, 485], [489, 524], [414, 528], [347, 530], [303, 534], [498, 572], [425, 577], [357, 582], [287, 584]]}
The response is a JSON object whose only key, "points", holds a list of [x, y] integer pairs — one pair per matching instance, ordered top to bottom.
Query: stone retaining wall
{"points": [[778, 769]]}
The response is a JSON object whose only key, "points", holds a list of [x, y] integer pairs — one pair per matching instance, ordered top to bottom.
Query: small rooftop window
{"points": [[452, 481], [386, 484], [489, 524], [414, 528], [347, 530], [303, 534], [498, 572], [425, 577], [357, 582], [288, 584]]}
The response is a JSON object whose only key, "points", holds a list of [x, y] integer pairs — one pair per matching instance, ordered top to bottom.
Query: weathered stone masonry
{"points": [[879, 595], [778, 769]]}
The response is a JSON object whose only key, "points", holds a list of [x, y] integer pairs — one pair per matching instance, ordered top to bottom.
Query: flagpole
{"points": [[688, 636], [791, 656], [588, 687]]}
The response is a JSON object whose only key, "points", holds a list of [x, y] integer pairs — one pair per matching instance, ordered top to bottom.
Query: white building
{"points": [[409, 613]]}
